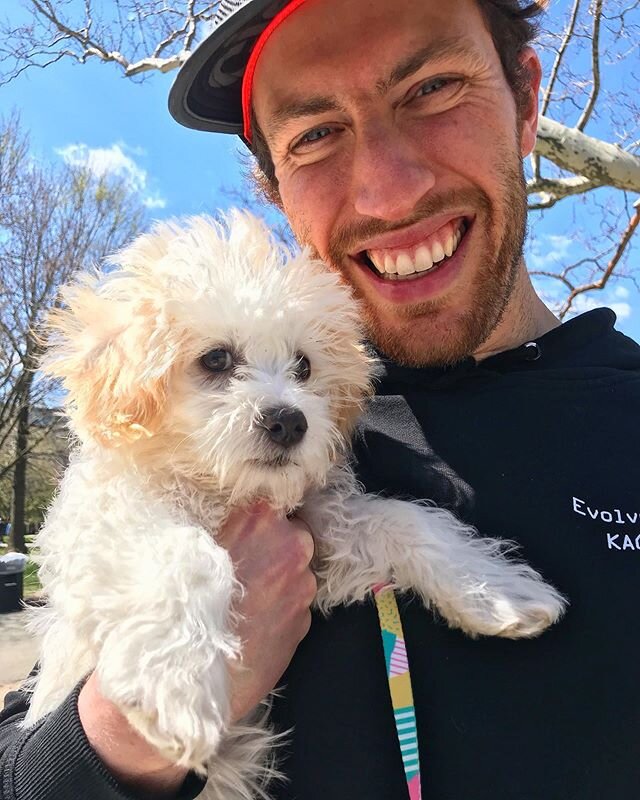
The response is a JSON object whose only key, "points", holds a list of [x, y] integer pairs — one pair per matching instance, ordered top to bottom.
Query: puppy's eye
{"points": [[217, 360], [302, 369]]}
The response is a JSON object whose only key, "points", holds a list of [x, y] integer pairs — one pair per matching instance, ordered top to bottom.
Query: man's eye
{"points": [[429, 87], [314, 135], [217, 360]]}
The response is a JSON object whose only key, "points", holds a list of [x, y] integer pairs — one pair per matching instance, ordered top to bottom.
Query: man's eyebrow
{"points": [[435, 51], [295, 109]]}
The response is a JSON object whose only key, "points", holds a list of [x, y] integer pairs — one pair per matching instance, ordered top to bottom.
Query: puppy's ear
{"points": [[114, 357]]}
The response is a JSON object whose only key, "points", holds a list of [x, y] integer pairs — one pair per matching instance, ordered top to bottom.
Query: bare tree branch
{"points": [[175, 26], [119, 39], [589, 50], [595, 67], [555, 69], [553, 77], [601, 163], [550, 191], [53, 221], [602, 282]]}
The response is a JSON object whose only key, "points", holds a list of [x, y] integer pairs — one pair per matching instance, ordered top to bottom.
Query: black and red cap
{"points": [[212, 91]]}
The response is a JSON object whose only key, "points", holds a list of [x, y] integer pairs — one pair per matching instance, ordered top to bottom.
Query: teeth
{"points": [[448, 248], [437, 252], [423, 259], [406, 263], [390, 266]]}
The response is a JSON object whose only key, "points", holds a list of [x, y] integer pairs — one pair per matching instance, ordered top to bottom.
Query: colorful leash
{"points": [[395, 655]]}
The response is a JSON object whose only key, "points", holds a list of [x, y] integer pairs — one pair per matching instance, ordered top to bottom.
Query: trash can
{"points": [[11, 581]]}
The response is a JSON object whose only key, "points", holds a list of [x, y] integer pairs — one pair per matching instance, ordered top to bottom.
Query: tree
{"points": [[591, 60], [587, 155], [54, 220], [47, 455]]}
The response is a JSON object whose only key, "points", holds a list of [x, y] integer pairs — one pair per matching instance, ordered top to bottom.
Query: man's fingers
{"points": [[246, 521], [259, 521], [305, 539], [272, 554], [309, 588], [305, 625]]}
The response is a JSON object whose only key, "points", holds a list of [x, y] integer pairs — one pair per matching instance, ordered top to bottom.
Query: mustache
{"points": [[345, 239]]}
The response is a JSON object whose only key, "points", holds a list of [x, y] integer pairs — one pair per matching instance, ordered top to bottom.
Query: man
{"points": [[392, 134]]}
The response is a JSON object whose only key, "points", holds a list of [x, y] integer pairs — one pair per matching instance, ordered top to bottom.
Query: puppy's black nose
{"points": [[285, 426]]}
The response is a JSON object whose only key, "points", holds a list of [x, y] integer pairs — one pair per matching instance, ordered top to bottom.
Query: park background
{"points": [[93, 120]]}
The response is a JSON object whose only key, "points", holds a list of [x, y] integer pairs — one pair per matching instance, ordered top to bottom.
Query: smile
{"points": [[410, 263]]}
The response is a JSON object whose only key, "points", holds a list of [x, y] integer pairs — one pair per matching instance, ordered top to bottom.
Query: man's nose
{"points": [[389, 175], [284, 425]]}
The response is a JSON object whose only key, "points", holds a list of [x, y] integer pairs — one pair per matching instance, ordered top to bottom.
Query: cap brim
{"points": [[207, 92]]}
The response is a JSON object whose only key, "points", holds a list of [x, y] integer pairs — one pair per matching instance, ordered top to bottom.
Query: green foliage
{"points": [[30, 578]]}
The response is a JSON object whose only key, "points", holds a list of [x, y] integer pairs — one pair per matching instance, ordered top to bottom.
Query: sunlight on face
{"points": [[401, 165]]}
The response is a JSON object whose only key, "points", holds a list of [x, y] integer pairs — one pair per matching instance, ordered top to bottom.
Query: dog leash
{"points": [[399, 677]]}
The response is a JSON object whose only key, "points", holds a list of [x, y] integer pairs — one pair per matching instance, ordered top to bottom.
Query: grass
{"points": [[30, 577], [31, 584]]}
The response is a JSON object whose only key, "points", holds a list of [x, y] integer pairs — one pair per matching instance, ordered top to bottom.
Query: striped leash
{"points": [[399, 676]]}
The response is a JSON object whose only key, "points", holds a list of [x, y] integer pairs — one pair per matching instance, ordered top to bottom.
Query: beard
{"points": [[431, 333]]}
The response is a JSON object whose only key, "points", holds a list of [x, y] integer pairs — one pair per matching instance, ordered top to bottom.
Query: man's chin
{"points": [[449, 329], [430, 333], [431, 338]]}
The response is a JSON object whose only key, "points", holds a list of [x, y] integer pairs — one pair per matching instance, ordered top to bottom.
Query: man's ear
{"points": [[528, 110], [114, 359]]}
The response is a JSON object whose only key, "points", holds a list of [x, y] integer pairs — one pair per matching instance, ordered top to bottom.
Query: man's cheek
{"points": [[306, 227]]}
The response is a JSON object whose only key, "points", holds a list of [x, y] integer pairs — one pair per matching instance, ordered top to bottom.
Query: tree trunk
{"points": [[18, 526]]}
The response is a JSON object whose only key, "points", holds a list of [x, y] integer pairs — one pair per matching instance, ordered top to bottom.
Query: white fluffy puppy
{"points": [[211, 368]]}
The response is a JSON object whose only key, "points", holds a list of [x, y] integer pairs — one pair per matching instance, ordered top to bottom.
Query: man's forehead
{"points": [[289, 97]]}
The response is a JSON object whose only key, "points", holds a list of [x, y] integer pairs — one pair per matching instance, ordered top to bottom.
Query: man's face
{"points": [[397, 149]]}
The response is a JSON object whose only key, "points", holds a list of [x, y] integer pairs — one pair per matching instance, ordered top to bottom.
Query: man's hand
{"points": [[271, 555], [126, 754]]}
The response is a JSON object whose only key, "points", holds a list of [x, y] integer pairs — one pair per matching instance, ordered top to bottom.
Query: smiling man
{"points": [[392, 134], [397, 154]]}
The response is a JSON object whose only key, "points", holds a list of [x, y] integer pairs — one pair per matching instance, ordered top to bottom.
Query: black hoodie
{"points": [[538, 445]]}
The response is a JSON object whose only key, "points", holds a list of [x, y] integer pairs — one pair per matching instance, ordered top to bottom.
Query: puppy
{"points": [[207, 369]]}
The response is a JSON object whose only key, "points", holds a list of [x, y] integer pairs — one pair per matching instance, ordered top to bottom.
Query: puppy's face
{"points": [[207, 354]]}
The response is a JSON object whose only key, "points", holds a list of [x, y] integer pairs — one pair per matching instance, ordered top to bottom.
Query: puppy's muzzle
{"points": [[285, 426]]}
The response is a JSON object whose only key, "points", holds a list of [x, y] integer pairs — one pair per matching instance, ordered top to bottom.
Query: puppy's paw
{"points": [[521, 607], [180, 707]]}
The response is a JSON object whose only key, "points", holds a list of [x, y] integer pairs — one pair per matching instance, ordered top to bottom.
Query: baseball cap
{"points": [[207, 94]]}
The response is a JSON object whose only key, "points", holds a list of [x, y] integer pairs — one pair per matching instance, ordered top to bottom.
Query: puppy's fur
{"points": [[137, 586]]}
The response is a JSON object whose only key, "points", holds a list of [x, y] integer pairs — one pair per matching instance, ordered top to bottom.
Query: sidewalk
{"points": [[18, 651]]}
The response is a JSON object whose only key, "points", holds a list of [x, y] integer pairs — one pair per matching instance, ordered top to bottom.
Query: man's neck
{"points": [[526, 318]]}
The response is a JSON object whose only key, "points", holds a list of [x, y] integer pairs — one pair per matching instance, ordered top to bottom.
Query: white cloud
{"points": [[106, 161], [114, 161], [154, 201], [548, 251], [584, 302], [587, 302], [622, 310]]}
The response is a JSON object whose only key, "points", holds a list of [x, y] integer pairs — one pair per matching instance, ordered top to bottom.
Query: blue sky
{"points": [[91, 113]]}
